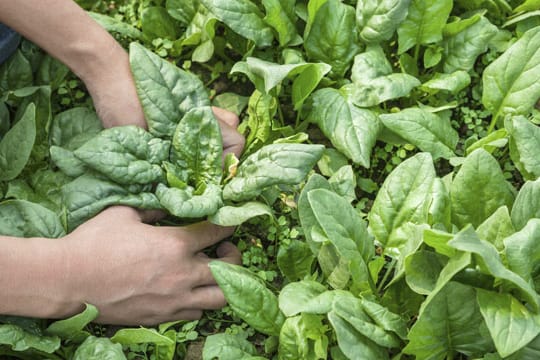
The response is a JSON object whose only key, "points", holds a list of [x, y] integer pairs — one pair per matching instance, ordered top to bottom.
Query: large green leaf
{"points": [[280, 14], [243, 17], [378, 19], [424, 23], [332, 38], [463, 48], [510, 82], [381, 89], [166, 92], [72, 128], [352, 130], [426, 130], [16, 145], [524, 145], [197, 147], [126, 154], [273, 164], [478, 189], [403, 197], [185, 203], [526, 205], [236, 215], [25, 219], [341, 224], [496, 227], [523, 250], [488, 259], [295, 260], [422, 269], [248, 297], [450, 323], [511, 325], [73, 328], [303, 337], [20, 340], [228, 347], [94, 348]]}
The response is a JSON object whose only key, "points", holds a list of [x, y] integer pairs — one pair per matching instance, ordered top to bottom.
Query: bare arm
{"points": [[67, 33]]}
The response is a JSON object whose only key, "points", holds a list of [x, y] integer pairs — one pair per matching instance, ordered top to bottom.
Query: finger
{"points": [[226, 116], [233, 141], [204, 234], [229, 253], [208, 297]]}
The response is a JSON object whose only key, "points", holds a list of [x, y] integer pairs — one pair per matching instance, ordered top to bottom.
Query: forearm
{"points": [[64, 30], [33, 277]]}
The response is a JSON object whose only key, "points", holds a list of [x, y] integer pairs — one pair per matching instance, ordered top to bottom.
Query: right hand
{"points": [[139, 274]]}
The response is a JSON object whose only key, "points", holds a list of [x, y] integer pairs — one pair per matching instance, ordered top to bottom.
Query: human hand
{"points": [[139, 274]]}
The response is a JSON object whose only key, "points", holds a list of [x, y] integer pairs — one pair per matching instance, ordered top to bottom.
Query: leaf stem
{"points": [[386, 275]]}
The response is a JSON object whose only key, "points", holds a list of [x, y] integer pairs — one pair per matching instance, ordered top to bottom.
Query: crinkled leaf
{"points": [[243, 17], [378, 19], [423, 24], [332, 37], [463, 48], [370, 64], [510, 82], [381, 89], [165, 91], [72, 128], [352, 130], [426, 130], [16, 145], [524, 145], [197, 147], [125, 154], [66, 161], [273, 164], [343, 183], [478, 189], [403, 197], [185, 203], [526, 205], [236, 215], [25, 219], [488, 258], [306, 296], [248, 297], [450, 323], [511, 325], [303, 337], [20, 340], [94, 348]]}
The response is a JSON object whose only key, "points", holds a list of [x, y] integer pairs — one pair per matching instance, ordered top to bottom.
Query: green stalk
{"points": [[387, 274]]}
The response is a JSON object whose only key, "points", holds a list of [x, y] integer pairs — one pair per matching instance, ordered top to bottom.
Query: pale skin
{"points": [[135, 273]]}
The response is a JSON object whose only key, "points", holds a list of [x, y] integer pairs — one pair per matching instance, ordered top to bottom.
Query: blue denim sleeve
{"points": [[9, 41]]}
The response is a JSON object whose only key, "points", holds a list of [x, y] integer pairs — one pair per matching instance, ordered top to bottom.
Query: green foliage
{"points": [[414, 236]]}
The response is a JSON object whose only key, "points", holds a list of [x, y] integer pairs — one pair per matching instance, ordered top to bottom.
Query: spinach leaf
{"points": [[243, 17], [282, 17], [378, 19], [157, 23], [423, 24], [332, 38], [509, 83], [166, 92], [72, 128], [424, 129], [352, 130], [524, 143], [16, 145], [197, 147], [126, 154], [276, 164], [478, 189], [403, 197], [185, 203], [526, 205], [232, 216], [25, 219], [496, 227], [522, 250], [295, 260], [248, 297], [450, 323], [511, 325], [73, 328], [303, 337], [20, 340], [228, 347], [94, 348]]}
